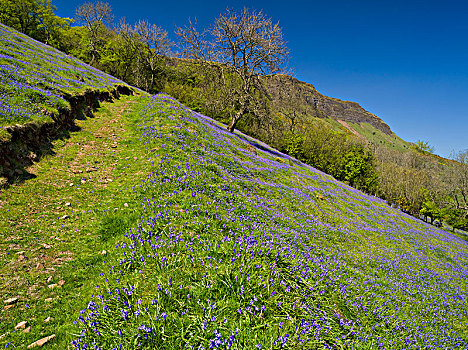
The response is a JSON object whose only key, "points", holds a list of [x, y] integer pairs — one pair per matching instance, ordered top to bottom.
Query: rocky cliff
{"points": [[292, 95]]}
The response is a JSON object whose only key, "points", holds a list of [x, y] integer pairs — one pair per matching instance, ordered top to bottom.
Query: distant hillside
{"points": [[288, 98]]}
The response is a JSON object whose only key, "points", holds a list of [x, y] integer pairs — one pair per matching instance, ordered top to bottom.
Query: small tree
{"points": [[95, 16], [155, 44], [242, 46], [126, 49], [141, 49], [423, 147], [358, 169], [458, 181], [430, 209]]}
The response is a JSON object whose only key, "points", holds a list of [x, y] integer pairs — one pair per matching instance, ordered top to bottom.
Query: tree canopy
{"points": [[35, 18]]}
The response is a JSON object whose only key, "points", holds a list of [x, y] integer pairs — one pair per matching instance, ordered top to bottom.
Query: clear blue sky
{"points": [[405, 61]]}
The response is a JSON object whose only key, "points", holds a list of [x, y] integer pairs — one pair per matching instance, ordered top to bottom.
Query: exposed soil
{"points": [[347, 126], [29, 142]]}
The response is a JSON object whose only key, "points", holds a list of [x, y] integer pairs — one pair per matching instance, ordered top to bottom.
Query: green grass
{"points": [[36, 80], [378, 138], [98, 209], [154, 228], [208, 243], [240, 251]]}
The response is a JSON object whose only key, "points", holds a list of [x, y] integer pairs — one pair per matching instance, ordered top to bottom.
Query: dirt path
{"points": [[347, 126], [49, 222]]}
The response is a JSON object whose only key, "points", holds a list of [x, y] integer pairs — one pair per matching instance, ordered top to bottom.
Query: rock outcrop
{"points": [[293, 95]]}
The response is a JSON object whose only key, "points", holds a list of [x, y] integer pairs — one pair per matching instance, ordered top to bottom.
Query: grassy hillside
{"points": [[35, 79], [377, 137], [56, 226], [154, 228], [227, 243], [240, 247]]}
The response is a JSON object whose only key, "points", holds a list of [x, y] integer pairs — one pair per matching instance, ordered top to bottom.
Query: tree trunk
{"points": [[92, 57], [124, 77], [151, 82], [238, 116], [234, 120]]}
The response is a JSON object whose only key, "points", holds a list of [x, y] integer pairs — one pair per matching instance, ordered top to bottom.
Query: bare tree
{"points": [[94, 16], [155, 44], [244, 45], [126, 50], [406, 178], [458, 181]]}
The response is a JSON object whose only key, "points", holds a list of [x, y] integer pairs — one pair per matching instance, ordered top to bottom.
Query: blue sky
{"points": [[405, 61]]}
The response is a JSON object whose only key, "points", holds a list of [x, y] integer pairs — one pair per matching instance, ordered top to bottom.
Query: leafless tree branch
{"points": [[244, 44]]}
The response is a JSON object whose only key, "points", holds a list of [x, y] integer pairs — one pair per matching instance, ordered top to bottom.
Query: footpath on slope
{"points": [[28, 143], [49, 248]]}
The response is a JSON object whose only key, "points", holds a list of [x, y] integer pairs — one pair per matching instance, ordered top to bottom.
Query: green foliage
{"points": [[35, 18], [72, 42], [294, 146], [423, 147], [335, 154], [359, 170], [404, 204], [429, 208], [455, 218]]}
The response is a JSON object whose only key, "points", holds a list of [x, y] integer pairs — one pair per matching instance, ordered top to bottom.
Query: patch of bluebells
{"points": [[34, 78], [235, 250]]}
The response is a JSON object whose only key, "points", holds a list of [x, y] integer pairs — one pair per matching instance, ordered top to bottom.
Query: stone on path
{"points": [[11, 301], [21, 325], [40, 342]]}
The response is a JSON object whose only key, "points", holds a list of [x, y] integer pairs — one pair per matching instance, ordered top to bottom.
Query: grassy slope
{"points": [[35, 79], [377, 137], [215, 240], [40, 245], [227, 245], [242, 248]]}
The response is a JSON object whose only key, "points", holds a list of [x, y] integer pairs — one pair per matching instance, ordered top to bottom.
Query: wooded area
{"points": [[219, 71]]}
